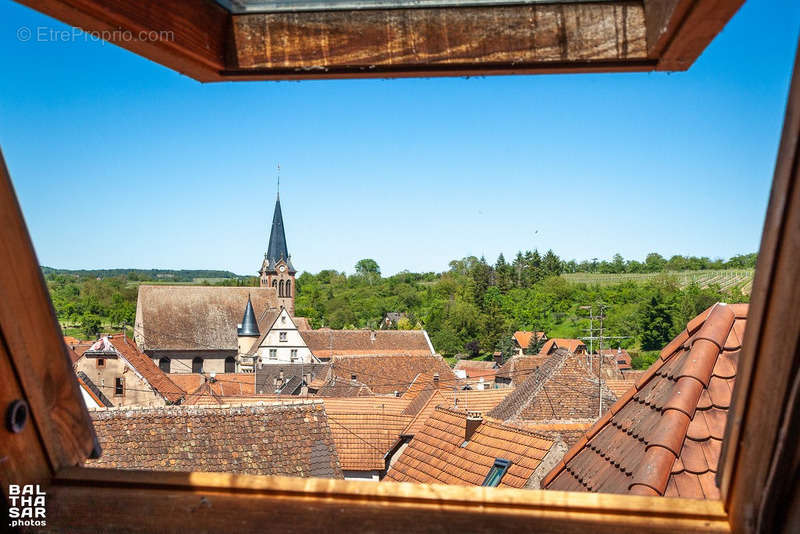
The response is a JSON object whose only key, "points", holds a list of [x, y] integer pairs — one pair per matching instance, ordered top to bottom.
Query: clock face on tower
{"points": [[282, 268]]}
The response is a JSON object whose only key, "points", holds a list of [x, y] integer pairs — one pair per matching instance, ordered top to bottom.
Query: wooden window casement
{"points": [[283, 337], [273, 354], [101, 362], [164, 364], [230, 364], [197, 365], [119, 386], [758, 466]]}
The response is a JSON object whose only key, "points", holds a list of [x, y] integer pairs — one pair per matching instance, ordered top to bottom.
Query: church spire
{"points": [[277, 249]]}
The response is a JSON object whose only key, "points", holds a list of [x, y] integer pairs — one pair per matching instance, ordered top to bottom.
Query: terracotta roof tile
{"points": [[523, 338], [326, 343], [518, 368], [390, 374], [563, 387], [667, 437], [291, 439], [438, 453]]}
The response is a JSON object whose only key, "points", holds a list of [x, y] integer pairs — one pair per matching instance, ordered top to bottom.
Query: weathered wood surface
{"points": [[678, 31], [190, 36], [471, 39], [35, 365], [759, 457], [241, 503]]}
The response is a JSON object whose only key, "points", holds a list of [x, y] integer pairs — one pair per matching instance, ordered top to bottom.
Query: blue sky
{"points": [[119, 162]]}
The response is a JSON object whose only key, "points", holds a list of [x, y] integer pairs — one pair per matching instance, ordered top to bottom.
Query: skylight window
{"points": [[496, 473]]}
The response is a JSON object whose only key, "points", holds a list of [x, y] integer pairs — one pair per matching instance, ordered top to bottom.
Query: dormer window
{"points": [[496, 473]]}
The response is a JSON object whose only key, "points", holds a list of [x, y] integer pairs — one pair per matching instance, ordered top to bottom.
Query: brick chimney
{"points": [[498, 358], [474, 420]]}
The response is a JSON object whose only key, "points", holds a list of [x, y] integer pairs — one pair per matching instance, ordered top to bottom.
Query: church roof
{"points": [[277, 249], [195, 317], [249, 324]]}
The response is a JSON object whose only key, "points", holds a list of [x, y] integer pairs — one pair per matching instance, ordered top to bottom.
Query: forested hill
{"points": [[151, 275], [472, 308]]}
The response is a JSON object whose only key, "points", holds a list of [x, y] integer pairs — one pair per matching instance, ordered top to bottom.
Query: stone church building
{"points": [[204, 329]]}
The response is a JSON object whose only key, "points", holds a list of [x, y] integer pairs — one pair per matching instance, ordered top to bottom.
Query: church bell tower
{"points": [[277, 270]]}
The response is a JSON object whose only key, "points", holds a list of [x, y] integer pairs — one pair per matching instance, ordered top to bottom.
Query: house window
{"points": [[288, 289], [283, 336], [273, 354], [294, 354], [101, 362], [163, 364], [230, 364], [197, 365], [119, 387], [496, 473]]}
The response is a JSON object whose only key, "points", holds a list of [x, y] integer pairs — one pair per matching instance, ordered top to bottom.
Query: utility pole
{"points": [[600, 317]]}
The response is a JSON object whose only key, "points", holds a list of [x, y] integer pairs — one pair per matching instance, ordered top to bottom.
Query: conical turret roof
{"points": [[249, 326]]}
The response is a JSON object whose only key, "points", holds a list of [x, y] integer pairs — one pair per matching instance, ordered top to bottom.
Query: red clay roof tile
{"points": [[666, 439]]}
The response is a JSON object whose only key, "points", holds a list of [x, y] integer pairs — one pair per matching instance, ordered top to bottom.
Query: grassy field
{"points": [[726, 279]]}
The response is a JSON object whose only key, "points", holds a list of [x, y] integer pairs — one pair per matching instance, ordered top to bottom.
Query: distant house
{"points": [[389, 320], [522, 339], [280, 342], [325, 343], [575, 346], [621, 355], [517, 369], [118, 374], [477, 374], [389, 375], [288, 378], [561, 390], [664, 437], [291, 439], [464, 448]]}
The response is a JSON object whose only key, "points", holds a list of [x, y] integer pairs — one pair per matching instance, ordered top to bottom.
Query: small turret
{"points": [[247, 333]]}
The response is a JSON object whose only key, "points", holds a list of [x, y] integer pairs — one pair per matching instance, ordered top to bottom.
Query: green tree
{"points": [[90, 324], [655, 324], [534, 345]]}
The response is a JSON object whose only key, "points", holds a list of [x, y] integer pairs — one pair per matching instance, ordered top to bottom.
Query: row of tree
{"points": [[470, 309]]}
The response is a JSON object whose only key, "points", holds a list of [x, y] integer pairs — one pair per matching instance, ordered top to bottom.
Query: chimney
{"points": [[498, 358], [474, 420]]}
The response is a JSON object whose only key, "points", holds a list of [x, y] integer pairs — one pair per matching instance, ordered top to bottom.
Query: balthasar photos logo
{"points": [[26, 506]]}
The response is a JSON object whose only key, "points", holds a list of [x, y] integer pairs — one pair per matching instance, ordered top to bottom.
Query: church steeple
{"points": [[277, 249], [277, 270]]}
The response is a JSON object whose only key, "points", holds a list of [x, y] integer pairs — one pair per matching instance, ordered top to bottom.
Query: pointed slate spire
{"points": [[277, 249], [249, 324]]}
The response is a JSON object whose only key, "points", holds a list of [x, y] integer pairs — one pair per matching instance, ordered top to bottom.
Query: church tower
{"points": [[277, 270]]}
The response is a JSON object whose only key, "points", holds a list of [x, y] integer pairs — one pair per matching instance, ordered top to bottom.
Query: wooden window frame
{"points": [[210, 44], [758, 457]]}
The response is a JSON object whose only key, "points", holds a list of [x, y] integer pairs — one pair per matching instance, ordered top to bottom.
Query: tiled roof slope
{"points": [[195, 317], [523, 338], [326, 343], [561, 343], [517, 368], [387, 374], [272, 376], [157, 378], [424, 382], [224, 385], [620, 387], [344, 388], [562, 388], [364, 431], [664, 437], [291, 439], [436, 455]]}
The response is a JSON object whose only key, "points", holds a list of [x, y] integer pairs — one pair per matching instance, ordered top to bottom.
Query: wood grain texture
{"points": [[688, 28], [470, 40], [196, 46], [35, 357], [763, 411], [240, 503]]}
